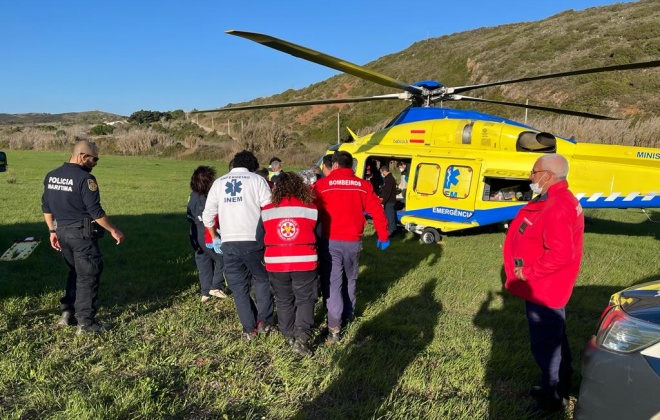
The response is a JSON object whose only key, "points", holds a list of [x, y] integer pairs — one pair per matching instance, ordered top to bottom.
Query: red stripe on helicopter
{"points": [[417, 132]]}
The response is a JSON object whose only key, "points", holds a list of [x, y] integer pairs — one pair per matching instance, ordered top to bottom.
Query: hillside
{"points": [[602, 36], [88, 117]]}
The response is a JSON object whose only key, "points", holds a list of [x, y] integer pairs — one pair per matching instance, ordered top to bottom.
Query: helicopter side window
{"points": [[466, 137], [427, 178], [457, 181], [506, 189]]}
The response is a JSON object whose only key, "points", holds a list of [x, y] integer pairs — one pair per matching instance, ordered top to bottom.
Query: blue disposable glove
{"points": [[209, 245], [217, 245], [382, 245]]}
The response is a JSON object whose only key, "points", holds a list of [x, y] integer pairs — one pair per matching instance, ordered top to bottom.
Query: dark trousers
{"points": [[390, 213], [83, 257], [244, 261], [211, 268], [339, 272], [295, 297], [549, 344]]}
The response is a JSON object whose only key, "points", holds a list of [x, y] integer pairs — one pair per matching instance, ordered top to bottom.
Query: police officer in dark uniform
{"points": [[71, 204]]}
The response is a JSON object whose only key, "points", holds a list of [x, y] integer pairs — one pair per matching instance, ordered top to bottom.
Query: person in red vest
{"points": [[290, 222], [542, 254]]}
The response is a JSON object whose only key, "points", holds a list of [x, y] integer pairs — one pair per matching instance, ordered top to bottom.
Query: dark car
{"points": [[3, 161], [621, 363]]}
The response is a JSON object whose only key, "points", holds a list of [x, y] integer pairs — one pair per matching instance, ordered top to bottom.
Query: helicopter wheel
{"points": [[430, 236]]}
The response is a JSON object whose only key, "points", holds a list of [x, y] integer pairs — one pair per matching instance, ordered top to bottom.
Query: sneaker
{"points": [[217, 293], [205, 299], [67, 319], [93, 328], [263, 328], [249, 336], [333, 336], [301, 348]]}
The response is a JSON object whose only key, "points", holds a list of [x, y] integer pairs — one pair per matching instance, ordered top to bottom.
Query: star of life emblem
{"points": [[288, 229]]}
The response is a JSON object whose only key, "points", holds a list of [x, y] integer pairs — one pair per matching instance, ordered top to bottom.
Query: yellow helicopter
{"points": [[469, 169]]}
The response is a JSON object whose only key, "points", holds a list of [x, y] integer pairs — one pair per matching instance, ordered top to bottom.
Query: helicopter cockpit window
{"points": [[427, 178], [457, 181]]}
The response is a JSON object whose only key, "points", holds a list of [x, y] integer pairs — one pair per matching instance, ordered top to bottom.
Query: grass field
{"points": [[435, 337]]}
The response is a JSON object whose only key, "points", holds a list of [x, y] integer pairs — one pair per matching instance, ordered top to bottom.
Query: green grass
{"points": [[436, 335]]}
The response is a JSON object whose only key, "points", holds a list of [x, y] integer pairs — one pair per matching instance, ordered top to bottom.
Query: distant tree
{"points": [[178, 114], [148, 117]]}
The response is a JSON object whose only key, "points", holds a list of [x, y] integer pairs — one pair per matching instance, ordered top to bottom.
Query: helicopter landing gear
{"points": [[430, 236]]}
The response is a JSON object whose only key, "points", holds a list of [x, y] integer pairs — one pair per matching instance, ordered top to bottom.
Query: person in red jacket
{"points": [[342, 199], [542, 254], [291, 259]]}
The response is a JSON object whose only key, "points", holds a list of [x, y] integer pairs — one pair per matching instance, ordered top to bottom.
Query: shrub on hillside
{"points": [[46, 127], [102, 130], [264, 136], [141, 141]]}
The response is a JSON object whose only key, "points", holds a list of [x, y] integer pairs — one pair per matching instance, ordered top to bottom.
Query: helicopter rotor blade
{"points": [[326, 60], [631, 66], [311, 102], [541, 108]]}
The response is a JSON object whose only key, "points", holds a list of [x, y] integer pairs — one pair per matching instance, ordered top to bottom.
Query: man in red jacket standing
{"points": [[342, 199], [542, 253]]}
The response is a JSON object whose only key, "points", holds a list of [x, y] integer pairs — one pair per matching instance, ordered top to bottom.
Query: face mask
{"points": [[536, 187]]}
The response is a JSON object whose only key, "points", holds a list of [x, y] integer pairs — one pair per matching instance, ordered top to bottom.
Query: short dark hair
{"points": [[343, 159], [247, 160], [327, 161], [262, 171], [202, 179]]}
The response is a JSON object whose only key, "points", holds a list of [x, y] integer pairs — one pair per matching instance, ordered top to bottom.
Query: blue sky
{"points": [[123, 56]]}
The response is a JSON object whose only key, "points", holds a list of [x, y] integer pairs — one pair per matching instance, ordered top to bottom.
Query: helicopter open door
{"points": [[441, 195]]}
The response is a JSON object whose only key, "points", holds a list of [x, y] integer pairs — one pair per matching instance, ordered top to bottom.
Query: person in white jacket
{"points": [[237, 198]]}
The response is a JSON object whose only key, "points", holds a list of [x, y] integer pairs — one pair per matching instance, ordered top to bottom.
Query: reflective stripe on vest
{"points": [[289, 212], [291, 259]]}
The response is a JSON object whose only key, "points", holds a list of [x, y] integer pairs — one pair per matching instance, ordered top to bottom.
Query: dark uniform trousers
{"points": [[390, 213], [83, 257], [244, 263], [210, 265], [295, 297], [549, 345]]}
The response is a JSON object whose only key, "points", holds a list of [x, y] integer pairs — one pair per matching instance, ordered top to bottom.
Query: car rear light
{"points": [[622, 333]]}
